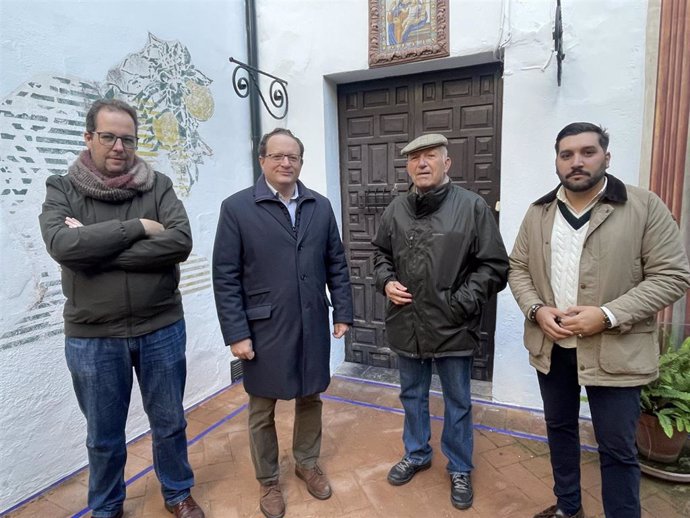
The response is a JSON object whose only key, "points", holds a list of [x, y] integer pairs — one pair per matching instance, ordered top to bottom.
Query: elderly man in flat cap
{"points": [[439, 258]]}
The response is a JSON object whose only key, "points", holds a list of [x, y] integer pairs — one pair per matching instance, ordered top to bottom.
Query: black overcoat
{"points": [[270, 281]]}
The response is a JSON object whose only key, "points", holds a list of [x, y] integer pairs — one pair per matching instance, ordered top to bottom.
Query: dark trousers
{"points": [[615, 412], [263, 440]]}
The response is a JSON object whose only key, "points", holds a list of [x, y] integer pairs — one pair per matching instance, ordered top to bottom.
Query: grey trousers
{"points": [[263, 440]]}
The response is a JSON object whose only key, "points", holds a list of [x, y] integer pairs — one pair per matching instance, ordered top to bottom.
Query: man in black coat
{"points": [[277, 248], [439, 258]]}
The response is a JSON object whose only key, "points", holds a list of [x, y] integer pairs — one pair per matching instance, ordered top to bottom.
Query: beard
{"points": [[582, 185]]}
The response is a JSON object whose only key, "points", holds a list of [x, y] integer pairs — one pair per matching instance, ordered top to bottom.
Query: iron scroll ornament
{"points": [[558, 40], [277, 93]]}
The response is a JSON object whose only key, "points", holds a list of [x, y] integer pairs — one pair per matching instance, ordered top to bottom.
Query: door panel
{"points": [[376, 120]]}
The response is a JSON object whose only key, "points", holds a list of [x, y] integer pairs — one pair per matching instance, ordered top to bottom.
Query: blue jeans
{"points": [[101, 371], [615, 411], [456, 440]]}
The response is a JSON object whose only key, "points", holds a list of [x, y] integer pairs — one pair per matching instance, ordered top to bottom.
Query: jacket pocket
{"points": [[260, 291], [258, 297], [460, 309], [259, 312], [534, 338], [631, 353]]}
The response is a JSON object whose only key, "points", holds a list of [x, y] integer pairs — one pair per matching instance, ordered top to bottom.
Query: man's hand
{"points": [[73, 222], [151, 227], [397, 293], [549, 319], [583, 320], [340, 329], [243, 349]]}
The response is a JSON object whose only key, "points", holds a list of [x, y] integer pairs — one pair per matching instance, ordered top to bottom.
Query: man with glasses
{"points": [[119, 232], [277, 248]]}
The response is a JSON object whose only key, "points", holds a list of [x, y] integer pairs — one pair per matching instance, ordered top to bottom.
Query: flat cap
{"points": [[425, 141]]}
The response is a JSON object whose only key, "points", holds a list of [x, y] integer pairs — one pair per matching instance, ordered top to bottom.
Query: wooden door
{"points": [[376, 120]]}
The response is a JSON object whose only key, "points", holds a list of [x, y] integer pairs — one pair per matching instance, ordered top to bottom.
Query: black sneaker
{"points": [[404, 470], [461, 494]]}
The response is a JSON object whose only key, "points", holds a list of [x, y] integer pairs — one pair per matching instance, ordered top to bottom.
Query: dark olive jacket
{"points": [[446, 249], [118, 282]]}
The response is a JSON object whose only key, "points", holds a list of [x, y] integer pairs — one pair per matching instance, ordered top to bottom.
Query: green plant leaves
{"points": [[668, 397]]}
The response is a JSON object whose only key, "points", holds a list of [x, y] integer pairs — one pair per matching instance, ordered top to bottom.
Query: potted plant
{"points": [[665, 420]]}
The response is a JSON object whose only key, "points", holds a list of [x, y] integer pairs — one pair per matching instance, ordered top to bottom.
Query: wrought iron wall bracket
{"points": [[558, 40], [277, 93]]}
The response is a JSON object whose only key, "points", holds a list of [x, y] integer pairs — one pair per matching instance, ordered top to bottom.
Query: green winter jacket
{"points": [[118, 282]]}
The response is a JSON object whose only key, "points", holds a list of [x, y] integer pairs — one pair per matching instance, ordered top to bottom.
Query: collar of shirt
{"points": [[294, 196], [562, 197]]}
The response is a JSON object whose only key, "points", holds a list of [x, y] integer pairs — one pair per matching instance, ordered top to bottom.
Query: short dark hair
{"points": [[112, 105], [575, 128], [279, 131]]}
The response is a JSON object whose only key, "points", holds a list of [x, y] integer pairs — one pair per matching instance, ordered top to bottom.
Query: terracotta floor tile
{"points": [[209, 416], [495, 417], [526, 422], [194, 427], [499, 439], [536, 447], [141, 448], [507, 455], [135, 465], [539, 466], [590, 475], [512, 476], [487, 480], [530, 485], [136, 489], [678, 495], [71, 496], [398, 501], [435, 501], [591, 501], [508, 502], [659, 507], [39, 508]]}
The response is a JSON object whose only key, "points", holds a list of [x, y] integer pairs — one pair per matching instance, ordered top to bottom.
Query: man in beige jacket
{"points": [[593, 263]]}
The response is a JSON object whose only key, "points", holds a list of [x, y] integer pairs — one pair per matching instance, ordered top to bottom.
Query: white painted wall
{"points": [[315, 44], [42, 431]]}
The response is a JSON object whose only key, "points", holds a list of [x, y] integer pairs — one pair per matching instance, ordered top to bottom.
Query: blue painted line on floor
{"points": [[478, 401], [244, 406], [216, 425], [502, 431], [190, 442], [55, 484]]}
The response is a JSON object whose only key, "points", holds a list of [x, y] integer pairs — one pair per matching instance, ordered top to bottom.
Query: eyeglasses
{"points": [[108, 139], [278, 158]]}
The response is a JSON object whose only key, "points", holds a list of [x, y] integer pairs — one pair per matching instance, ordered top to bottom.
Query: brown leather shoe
{"points": [[317, 483], [271, 502], [188, 508], [555, 512]]}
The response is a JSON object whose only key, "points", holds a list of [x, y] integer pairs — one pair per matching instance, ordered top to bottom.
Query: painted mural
{"points": [[42, 133]]}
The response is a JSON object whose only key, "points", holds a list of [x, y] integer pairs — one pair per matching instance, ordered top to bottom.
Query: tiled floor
{"points": [[362, 428]]}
